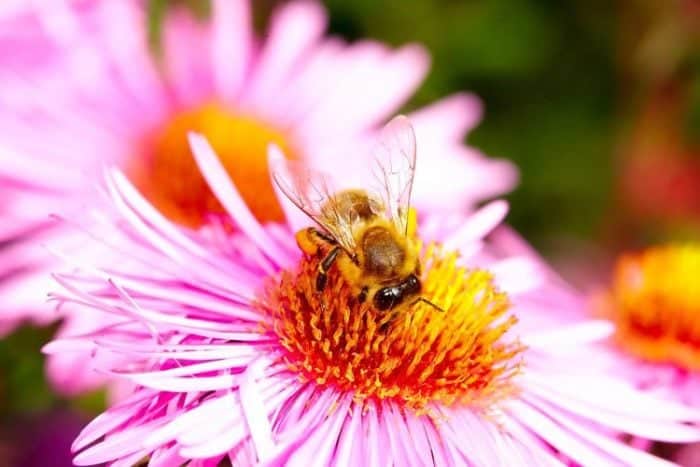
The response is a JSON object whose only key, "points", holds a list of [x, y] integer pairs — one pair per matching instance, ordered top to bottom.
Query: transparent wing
{"points": [[394, 169], [312, 192]]}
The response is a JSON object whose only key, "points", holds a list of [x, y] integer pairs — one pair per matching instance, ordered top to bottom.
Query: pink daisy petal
{"points": [[294, 30], [184, 39], [126, 44], [232, 46], [400, 72], [448, 119], [226, 192], [479, 225], [589, 331], [215, 396], [255, 413], [560, 438]]}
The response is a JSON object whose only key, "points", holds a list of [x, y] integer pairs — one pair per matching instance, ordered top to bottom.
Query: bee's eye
{"points": [[412, 285], [386, 298]]}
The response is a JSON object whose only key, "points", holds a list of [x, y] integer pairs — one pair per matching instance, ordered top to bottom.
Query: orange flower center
{"points": [[168, 176], [655, 302], [415, 357]]}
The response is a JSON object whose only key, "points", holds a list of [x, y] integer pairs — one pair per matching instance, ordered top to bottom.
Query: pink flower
{"points": [[81, 89], [654, 302], [236, 353]]}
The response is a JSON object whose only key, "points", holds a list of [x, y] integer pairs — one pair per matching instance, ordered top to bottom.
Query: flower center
{"points": [[168, 176], [655, 302], [416, 356]]}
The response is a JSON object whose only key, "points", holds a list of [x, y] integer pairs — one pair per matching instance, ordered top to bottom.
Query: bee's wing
{"points": [[394, 169], [310, 191]]}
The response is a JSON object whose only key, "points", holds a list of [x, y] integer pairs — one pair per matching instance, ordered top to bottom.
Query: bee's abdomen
{"points": [[383, 255]]}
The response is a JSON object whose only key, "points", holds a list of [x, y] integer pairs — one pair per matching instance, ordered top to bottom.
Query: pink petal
{"points": [[295, 28], [124, 31], [232, 44], [189, 68], [310, 82], [375, 84], [447, 120], [459, 174], [222, 185], [159, 222], [478, 225], [516, 275], [574, 335], [615, 395], [223, 405], [254, 411], [661, 431], [199, 433], [417, 435], [560, 438], [377, 439], [351, 440], [121, 443], [400, 444], [216, 445], [317, 450], [543, 454], [626, 454], [166, 457]]}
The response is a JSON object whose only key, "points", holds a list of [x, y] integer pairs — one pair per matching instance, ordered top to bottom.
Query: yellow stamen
{"points": [[167, 173], [655, 303], [415, 357]]}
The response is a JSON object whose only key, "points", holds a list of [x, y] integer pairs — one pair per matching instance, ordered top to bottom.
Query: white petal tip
{"points": [[274, 153]]}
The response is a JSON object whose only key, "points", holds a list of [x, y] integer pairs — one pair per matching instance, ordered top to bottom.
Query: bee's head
{"points": [[389, 297]]}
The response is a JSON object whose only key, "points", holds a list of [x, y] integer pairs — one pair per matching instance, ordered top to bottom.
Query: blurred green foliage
{"points": [[544, 71], [692, 126], [23, 388]]}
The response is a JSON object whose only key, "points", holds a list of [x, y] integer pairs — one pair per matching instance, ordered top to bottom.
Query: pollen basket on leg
{"points": [[164, 169], [655, 303], [414, 357]]}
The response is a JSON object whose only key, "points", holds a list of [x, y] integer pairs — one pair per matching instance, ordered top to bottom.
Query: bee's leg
{"points": [[323, 236], [329, 239], [312, 241], [323, 268], [363, 295], [427, 302], [385, 327]]}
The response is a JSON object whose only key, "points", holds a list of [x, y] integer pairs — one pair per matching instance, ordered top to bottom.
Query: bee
{"points": [[363, 231]]}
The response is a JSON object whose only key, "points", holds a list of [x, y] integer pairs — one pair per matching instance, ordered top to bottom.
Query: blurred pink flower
{"points": [[81, 89], [654, 301], [229, 359]]}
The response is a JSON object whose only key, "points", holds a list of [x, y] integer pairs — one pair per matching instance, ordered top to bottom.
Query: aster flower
{"points": [[81, 89], [654, 301], [236, 354]]}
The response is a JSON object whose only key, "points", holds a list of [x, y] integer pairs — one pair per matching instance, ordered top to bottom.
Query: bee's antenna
{"points": [[428, 302]]}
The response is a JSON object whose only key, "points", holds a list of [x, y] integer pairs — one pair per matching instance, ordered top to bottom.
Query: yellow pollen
{"points": [[167, 173], [655, 303], [416, 356]]}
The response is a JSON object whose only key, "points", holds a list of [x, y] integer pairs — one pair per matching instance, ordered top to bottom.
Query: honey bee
{"points": [[363, 232]]}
